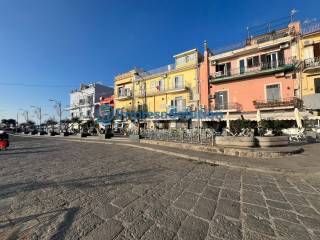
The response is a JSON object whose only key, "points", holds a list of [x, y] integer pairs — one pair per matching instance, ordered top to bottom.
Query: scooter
{"points": [[4, 140]]}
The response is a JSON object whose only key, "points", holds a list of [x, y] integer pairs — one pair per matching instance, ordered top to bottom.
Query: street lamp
{"points": [[58, 104], [39, 111], [25, 114]]}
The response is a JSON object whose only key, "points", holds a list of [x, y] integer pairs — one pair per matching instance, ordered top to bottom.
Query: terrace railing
{"points": [[310, 27], [311, 63], [264, 67], [282, 102]]}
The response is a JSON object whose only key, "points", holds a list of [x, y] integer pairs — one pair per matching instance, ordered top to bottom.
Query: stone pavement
{"points": [[52, 189]]}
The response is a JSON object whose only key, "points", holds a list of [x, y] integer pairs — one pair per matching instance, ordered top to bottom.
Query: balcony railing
{"points": [[310, 27], [311, 63], [262, 68], [163, 69], [179, 87], [124, 96], [279, 103], [230, 106]]}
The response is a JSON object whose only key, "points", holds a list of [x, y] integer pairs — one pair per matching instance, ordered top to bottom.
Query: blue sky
{"points": [[49, 47]]}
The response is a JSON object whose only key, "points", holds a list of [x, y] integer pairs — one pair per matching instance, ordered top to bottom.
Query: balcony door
{"points": [[242, 66], [273, 92], [221, 100]]}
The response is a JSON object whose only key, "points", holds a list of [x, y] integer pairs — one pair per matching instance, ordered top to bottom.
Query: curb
{"points": [[231, 151]]}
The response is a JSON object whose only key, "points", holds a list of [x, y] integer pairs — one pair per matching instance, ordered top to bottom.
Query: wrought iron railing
{"points": [[310, 27], [311, 62], [273, 65], [163, 69], [282, 102], [195, 135]]}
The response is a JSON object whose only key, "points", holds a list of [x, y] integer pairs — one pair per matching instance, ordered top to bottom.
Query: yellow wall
{"points": [[308, 78], [123, 81], [159, 101]]}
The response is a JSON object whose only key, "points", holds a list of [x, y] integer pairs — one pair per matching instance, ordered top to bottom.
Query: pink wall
{"points": [[244, 92]]}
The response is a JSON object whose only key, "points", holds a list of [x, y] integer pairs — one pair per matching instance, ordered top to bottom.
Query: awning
{"points": [[312, 101]]}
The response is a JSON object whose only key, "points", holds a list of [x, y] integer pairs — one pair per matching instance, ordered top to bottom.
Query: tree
{"points": [[66, 123]]}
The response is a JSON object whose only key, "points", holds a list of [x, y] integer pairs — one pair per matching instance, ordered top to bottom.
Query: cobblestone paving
{"points": [[67, 190]]}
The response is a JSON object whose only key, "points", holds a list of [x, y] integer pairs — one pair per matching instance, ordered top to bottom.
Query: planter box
{"points": [[235, 141], [272, 141]]}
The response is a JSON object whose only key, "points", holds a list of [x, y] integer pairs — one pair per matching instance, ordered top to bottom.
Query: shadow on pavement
{"points": [[134, 177]]}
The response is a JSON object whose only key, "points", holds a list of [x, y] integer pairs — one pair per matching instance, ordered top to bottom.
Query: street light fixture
{"points": [[59, 105], [39, 110], [25, 112]]}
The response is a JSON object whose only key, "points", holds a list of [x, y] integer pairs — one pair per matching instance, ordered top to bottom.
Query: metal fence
{"points": [[199, 136]]}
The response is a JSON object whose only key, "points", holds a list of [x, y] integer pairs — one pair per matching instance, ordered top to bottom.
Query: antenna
{"points": [[292, 14]]}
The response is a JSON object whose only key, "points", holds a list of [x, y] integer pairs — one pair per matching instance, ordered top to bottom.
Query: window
{"points": [[316, 50], [269, 61], [253, 62], [242, 66], [223, 69], [178, 82], [160, 85], [317, 85], [120, 91], [127, 91], [273, 92], [221, 100], [81, 101], [179, 104]]}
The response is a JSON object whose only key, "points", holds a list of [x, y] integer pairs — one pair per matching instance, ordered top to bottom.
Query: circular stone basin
{"points": [[235, 141], [273, 141]]}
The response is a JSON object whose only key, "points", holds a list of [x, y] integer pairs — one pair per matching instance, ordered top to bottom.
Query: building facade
{"points": [[310, 67], [259, 74], [172, 88], [83, 101]]}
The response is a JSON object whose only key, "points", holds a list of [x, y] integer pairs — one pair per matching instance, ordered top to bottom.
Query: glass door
{"points": [[242, 66]]}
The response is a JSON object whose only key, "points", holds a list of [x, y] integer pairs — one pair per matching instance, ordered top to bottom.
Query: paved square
{"points": [[55, 189]]}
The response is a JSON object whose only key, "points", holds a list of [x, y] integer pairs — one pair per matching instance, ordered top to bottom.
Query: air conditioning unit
{"points": [[307, 42], [283, 46]]}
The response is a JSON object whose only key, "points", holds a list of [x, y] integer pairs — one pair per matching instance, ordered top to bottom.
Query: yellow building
{"points": [[310, 56], [174, 87]]}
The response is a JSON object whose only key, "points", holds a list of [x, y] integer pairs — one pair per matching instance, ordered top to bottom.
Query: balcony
{"points": [[311, 64], [261, 69], [157, 71], [156, 92], [124, 96], [283, 103], [226, 107]]}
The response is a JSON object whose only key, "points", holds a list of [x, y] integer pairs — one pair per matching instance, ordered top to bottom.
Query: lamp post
{"points": [[144, 101], [58, 104], [25, 114], [40, 114]]}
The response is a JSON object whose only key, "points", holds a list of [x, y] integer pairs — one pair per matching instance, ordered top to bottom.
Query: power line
{"points": [[36, 85]]}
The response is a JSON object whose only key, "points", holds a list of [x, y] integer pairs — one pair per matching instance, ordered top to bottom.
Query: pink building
{"points": [[259, 74]]}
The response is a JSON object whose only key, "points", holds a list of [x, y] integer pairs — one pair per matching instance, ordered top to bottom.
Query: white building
{"points": [[84, 100]]}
